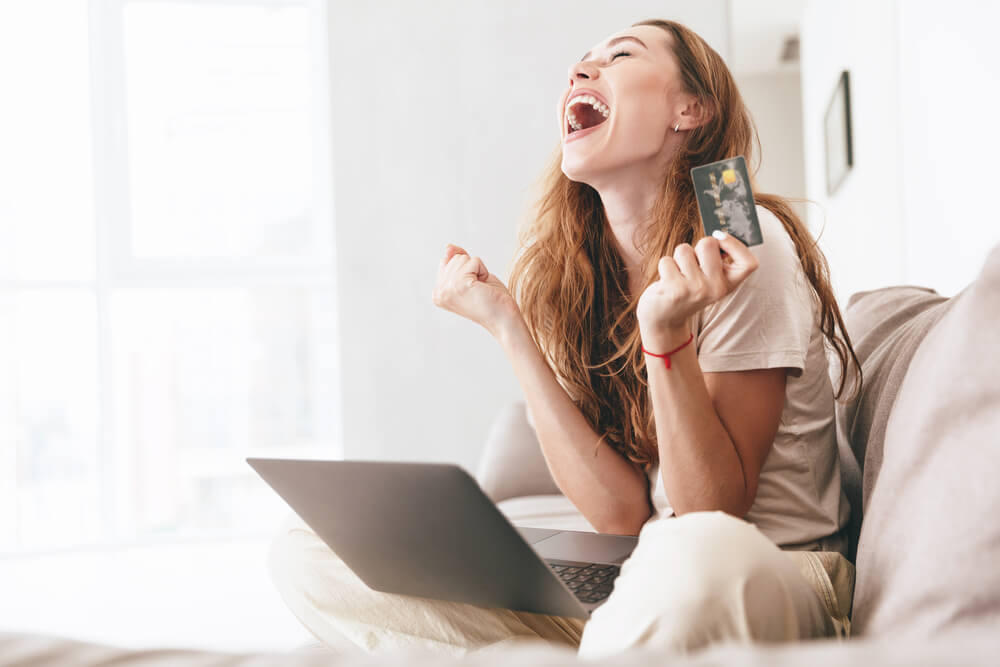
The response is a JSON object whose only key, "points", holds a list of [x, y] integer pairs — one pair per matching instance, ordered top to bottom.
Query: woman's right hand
{"points": [[467, 288]]}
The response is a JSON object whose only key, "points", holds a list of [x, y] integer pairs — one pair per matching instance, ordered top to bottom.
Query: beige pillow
{"points": [[886, 327], [512, 464], [930, 542]]}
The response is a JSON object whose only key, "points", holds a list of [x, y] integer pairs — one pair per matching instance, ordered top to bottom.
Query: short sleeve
{"points": [[766, 322]]}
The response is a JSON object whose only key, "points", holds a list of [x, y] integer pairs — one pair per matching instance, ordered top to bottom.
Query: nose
{"points": [[582, 70], [578, 72]]}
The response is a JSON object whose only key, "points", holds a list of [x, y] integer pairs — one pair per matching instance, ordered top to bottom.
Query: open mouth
{"points": [[584, 112]]}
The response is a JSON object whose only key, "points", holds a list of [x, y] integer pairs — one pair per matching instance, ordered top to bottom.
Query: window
{"points": [[167, 294]]}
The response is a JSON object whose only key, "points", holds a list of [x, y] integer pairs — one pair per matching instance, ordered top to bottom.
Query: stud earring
{"points": [[677, 127]]}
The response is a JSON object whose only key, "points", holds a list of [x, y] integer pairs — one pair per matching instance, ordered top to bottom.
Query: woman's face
{"points": [[634, 77]]}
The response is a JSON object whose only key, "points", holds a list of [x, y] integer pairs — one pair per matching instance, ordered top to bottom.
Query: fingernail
{"points": [[719, 234]]}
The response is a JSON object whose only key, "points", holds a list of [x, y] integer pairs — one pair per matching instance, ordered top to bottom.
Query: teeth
{"points": [[584, 99], [592, 101]]}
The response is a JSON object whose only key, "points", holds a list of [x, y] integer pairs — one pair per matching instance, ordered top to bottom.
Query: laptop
{"points": [[428, 530]]}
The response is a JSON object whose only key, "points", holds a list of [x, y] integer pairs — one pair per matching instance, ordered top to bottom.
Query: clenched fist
{"points": [[690, 280], [467, 288]]}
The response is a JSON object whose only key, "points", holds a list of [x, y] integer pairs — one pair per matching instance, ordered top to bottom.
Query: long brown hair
{"points": [[572, 285]]}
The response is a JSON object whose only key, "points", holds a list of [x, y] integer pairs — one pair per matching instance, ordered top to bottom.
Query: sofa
{"points": [[920, 456]]}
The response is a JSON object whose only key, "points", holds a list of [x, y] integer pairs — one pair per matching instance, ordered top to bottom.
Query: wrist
{"points": [[509, 328], [666, 338]]}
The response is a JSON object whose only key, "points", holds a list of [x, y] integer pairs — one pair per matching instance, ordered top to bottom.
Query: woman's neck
{"points": [[628, 217]]}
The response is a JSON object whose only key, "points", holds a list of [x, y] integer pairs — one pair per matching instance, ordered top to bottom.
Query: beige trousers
{"points": [[691, 581]]}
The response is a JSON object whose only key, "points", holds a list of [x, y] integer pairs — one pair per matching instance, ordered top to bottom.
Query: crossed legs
{"points": [[691, 581]]}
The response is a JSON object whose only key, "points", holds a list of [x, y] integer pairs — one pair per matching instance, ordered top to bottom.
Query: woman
{"points": [[697, 371]]}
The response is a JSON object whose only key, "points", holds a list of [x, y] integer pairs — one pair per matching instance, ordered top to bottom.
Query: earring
{"points": [[677, 127]]}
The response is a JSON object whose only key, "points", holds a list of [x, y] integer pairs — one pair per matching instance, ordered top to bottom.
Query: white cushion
{"points": [[545, 511]]}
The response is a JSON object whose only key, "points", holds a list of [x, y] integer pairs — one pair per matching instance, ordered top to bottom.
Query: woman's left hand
{"points": [[690, 280]]}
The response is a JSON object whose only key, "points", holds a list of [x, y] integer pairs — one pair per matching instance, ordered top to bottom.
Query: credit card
{"points": [[725, 199]]}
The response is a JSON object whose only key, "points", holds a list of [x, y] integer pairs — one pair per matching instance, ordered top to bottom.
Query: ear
{"points": [[692, 113]]}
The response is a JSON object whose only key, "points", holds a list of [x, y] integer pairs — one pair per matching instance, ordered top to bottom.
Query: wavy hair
{"points": [[571, 283]]}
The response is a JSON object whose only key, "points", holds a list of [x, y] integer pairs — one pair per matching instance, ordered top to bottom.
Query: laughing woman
{"points": [[678, 383]]}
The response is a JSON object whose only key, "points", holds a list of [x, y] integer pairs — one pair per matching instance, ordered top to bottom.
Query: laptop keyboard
{"points": [[591, 582]]}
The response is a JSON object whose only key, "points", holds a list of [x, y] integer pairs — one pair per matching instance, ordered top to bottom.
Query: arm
{"points": [[714, 430], [607, 489], [610, 492]]}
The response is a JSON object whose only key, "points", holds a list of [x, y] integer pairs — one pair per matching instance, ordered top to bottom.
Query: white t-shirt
{"points": [[771, 321]]}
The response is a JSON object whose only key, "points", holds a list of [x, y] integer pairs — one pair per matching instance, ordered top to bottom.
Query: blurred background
{"points": [[221, 220]]}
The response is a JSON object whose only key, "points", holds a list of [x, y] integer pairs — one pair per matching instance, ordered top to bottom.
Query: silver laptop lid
{"points": [[423, 529]]}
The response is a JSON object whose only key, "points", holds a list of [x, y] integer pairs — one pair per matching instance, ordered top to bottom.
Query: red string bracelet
{"points": [[666, 357]]}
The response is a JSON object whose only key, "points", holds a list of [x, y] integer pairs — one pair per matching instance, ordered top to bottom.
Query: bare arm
{"points": [[714, 430], [607, 489]]}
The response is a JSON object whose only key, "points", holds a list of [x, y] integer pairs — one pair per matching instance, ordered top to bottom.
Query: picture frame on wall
{"points": [[837, 132]]}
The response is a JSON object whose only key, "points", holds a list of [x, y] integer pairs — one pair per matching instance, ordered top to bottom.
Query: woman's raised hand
{"points": [[690, 280], [467, 288]]}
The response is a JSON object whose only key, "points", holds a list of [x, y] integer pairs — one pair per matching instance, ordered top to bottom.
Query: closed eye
{"points": [[620, 53]]}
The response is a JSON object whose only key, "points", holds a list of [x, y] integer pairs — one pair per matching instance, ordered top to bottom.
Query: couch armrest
{"points": [[512, 464]]}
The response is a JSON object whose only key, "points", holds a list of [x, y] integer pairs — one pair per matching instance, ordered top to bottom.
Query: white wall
{"points": [[924, 80], [950, 99], [775, 102], [444, 116], [859, 229]]}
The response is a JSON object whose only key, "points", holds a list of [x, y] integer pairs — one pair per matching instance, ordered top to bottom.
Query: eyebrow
{"points": [[615, 41]]}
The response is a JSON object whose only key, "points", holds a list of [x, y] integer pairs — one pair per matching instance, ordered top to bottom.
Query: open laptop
{"points": [[428, 530]]}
